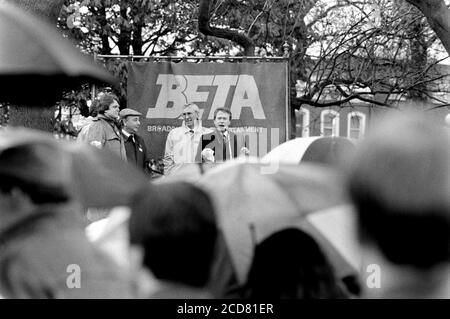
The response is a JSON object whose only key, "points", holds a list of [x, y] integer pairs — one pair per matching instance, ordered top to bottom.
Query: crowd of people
{"points": [[117, 131], [397, 180]]}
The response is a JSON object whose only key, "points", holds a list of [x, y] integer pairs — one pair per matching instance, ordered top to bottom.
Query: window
{"points": [[447, 120], [302, 122], [329, 123], [356, 124]]}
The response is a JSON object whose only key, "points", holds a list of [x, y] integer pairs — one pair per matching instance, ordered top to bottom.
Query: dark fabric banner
{"points": [[256, 94]]}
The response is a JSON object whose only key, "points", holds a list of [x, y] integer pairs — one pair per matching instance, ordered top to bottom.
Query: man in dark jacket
{"points": [[104, 132], [134, 144], [221, 144]]}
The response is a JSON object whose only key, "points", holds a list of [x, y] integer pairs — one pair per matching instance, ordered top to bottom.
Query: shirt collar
{"points": [[187, 129], [126, 134]]}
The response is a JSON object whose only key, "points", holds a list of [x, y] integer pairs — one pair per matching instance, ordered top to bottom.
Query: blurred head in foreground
{"points": [[32, 174], [399, 181], [175, 225], [41, 229], [290, 265]]}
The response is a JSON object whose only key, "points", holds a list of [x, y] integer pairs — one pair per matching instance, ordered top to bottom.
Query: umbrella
{"points": [[36, 63], [322, 149], [189, 172], [192, 172], [96, 177], [252, 205], [110, 234]]}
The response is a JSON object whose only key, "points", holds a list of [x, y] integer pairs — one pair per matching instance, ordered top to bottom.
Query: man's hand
{"points": [[208, 155]]}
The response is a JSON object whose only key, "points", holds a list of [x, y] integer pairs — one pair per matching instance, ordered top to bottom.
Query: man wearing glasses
{"points": [[182, 142]]}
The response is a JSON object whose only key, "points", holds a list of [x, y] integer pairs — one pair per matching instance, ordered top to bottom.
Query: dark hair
{"points": [[103, 101], [222, 109], [23, 167], [399, 183], [39, 194], [176, 226], [404, 236], [290, 265]]}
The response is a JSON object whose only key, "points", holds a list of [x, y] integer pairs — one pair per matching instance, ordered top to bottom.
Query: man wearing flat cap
{"points": [[134, 144]]}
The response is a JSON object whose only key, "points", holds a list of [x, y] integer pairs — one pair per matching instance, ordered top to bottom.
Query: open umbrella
{"points": [[36, 63], [321, 149], [189, 172], [192, 172], [96, 177], [252, 205]]}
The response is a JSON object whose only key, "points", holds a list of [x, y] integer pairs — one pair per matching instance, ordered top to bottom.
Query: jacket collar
{"points": [[126, 134]]}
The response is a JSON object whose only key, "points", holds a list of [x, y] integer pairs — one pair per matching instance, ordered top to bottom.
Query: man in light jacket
{"points": [[182, 142]]}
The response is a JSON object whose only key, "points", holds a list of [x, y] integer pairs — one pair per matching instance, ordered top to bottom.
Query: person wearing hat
{"points": [[182, 142], [135, 147]]}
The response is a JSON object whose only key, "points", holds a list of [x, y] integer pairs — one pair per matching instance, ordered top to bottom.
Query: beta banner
{"points": [[256, 94]]}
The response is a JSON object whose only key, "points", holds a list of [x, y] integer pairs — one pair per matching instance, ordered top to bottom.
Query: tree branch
{"points": [[438, 16], [204, 27], [357, 96]]}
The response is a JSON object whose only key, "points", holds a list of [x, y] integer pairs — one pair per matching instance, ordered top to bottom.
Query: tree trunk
{"points": [[438, 16], [124, 40], [137, 41], [105, 49], [418, 58], [31, 116]]}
